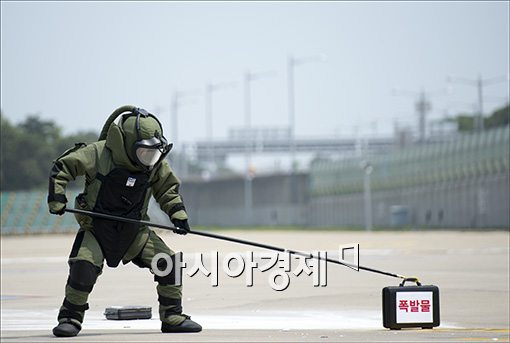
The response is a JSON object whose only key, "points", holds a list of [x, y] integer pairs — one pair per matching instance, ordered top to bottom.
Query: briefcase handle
{"points": [[410, 279]]}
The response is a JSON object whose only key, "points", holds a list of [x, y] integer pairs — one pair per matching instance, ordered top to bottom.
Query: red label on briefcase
{"points": [[414, 307]]}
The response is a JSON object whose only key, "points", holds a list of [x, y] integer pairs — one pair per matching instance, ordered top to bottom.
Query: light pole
{"points": [[293, 62], [249, 77], [479, 83], [210, 88], [177, 97], [367, 171]]}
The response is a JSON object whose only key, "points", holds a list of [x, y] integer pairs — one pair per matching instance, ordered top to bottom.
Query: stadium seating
{"points": [[27, 212]]}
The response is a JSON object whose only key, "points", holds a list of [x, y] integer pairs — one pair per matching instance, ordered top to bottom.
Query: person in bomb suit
{"points": [[122, 170]]}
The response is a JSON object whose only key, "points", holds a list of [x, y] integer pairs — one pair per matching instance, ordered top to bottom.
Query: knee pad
{"points": [[82, 275], [170, 278]]}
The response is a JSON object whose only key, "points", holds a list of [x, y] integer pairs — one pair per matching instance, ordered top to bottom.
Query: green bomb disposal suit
{"points": [[117, 183]]}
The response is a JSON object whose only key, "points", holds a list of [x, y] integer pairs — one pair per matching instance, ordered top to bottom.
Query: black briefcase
{"points": [[410, 306], [128, 312]]}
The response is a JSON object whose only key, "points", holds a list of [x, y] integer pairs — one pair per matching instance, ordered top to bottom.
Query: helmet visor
{"points": [[148, 156]]}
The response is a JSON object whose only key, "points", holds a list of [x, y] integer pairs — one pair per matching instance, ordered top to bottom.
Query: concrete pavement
{"points": [[470, 268]]}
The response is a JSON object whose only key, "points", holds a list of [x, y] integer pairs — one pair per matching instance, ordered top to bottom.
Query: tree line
{"points": [[467, 122], [28, 149]]}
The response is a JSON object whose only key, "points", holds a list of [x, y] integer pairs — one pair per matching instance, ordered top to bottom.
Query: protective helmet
{"points": [[143, 138]]}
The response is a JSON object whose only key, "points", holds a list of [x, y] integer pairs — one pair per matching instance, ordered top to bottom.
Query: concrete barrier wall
{"points": [[277, 200], [280, 200], [285, 200]]}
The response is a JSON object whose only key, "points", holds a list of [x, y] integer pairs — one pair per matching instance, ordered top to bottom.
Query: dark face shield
{"points": [[148, 152]]}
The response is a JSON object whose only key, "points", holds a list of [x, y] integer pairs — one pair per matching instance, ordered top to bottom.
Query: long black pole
{"points": [[230, 239]]}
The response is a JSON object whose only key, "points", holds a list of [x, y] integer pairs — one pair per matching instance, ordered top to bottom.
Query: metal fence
{"points": [[461, 183], [480, 202]]}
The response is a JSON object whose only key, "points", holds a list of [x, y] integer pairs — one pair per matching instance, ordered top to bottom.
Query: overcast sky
{"points": [[75, 62]]}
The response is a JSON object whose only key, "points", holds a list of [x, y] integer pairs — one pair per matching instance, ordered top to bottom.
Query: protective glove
{"points": [[57, 207], [182, 226]]}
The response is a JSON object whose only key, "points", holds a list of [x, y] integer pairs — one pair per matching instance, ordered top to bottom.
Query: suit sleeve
{"points": [[73, 163], [166, 192]]}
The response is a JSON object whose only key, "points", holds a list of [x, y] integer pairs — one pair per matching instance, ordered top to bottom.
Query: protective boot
{"points": [[82, 277], [169, 288], [170, 299], [170, 311], [186, 326], [66, 328]]}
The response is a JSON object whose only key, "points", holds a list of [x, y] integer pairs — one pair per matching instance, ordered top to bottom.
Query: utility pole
{"points": [[479, 83], [423, 106], [248, 187]]}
